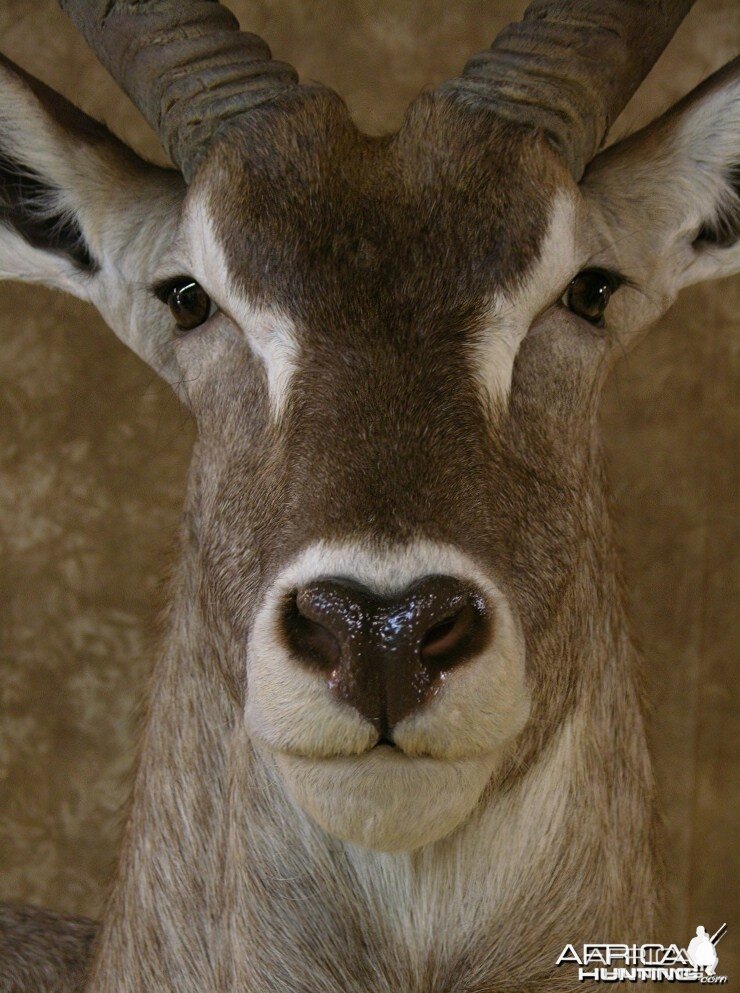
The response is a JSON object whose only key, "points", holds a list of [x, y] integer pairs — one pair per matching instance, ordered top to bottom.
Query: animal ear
{"points": [[665, 203], [80, 212]]}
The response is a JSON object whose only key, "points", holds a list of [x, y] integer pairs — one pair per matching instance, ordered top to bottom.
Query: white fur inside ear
{"points": [[37, 147], [707, 147], [649, 197], [126, 211], [21, 261]]}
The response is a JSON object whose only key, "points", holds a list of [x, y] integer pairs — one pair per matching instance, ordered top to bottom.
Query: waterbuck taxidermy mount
{"points": [[394, 740]]}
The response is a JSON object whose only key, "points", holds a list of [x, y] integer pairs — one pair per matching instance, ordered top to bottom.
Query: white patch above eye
{"points": [[511, 315], [270, 332], [272, 337]]}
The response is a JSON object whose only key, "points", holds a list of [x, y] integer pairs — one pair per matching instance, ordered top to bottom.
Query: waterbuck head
{"points": [[393, 349]]}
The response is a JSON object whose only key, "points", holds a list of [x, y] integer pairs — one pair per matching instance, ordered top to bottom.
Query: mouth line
{"points": [[383, 748], [381, 751]]}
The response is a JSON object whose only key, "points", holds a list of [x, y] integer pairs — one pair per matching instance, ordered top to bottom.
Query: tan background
{"points": [[93, 453]]}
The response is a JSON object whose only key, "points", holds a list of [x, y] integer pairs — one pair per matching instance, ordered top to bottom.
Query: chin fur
{"points": [[385, 800]]}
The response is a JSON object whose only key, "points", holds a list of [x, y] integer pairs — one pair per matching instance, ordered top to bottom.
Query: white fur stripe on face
{"points": [[270, 333], [494, 351]]}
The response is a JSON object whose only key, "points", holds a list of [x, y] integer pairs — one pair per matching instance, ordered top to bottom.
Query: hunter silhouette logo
{"points": [[702, 950], [619, 963]]}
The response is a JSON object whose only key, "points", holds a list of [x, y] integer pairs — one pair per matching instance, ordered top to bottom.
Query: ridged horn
{"points": [[184, 63], [569, 67]]}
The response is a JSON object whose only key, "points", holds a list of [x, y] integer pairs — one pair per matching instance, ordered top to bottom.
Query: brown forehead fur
{"points": [[342, 228], [384, 252]]}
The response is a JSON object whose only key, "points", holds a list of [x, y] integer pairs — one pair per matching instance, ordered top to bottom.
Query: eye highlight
{"points": [[589, 293], [189, 303]]}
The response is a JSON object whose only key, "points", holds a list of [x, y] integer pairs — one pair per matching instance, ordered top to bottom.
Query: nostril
{"points": [[307, 636], [443, 638], [385, 654]]}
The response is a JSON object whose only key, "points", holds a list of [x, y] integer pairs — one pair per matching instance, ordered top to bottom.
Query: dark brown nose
{"points": [[386, 656]]}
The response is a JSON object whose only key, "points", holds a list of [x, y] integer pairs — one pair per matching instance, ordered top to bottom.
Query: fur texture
{"points": [[385, 435], [43, 951]]}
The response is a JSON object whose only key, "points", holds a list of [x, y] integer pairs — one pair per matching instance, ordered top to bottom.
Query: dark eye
{"points": [[589, 293], [189, 303]]}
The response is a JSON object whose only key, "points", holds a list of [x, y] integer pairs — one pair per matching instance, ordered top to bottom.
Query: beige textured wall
{"points": [[93, 454]]}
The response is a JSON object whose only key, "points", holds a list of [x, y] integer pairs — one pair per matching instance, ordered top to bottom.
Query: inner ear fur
{"points": [[67, 185], [671, 192], [31, 202], [33, 208], [81, 212]]}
